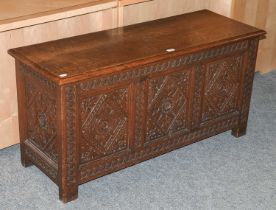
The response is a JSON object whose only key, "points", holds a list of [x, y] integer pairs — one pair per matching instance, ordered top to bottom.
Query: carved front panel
{"points": [[221, 90], [167, 106], [41, 119], [104, 124]]}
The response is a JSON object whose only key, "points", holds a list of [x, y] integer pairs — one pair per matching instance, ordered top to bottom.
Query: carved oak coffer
{"points": [[97, 103]]}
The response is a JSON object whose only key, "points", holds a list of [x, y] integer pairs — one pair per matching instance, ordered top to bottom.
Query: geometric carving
{"points": [[38, 76], [221, 91], [198, 94], [167, 105], [140, 108], [41, 115], [104, 124], [70, 150], [89, 172]]}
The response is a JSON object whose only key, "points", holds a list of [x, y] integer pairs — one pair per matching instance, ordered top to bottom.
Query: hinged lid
{"points": [[72, 59]]}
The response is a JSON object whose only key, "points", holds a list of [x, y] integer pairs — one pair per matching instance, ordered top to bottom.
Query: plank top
{"points": [[111, 50]]}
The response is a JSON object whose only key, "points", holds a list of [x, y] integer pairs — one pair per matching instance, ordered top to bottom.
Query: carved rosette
{"points": [[167, 105]]}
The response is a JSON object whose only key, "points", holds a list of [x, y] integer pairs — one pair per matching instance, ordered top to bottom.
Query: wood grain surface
{"points": [[93, 52]]}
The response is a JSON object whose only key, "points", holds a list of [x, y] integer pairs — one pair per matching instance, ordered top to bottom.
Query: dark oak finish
{"points": [[94, 104]]}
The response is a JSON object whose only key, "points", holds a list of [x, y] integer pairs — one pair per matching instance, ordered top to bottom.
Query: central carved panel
{"points": [[221, 87], [167, 105], [104, 124]]}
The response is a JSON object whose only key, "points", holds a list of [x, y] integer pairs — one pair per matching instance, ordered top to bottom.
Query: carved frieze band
{"points": [[163, 66], [26, 69], [71, 150]]}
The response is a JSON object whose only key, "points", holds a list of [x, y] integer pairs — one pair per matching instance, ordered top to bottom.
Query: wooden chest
{"points": [[94, 104]]}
